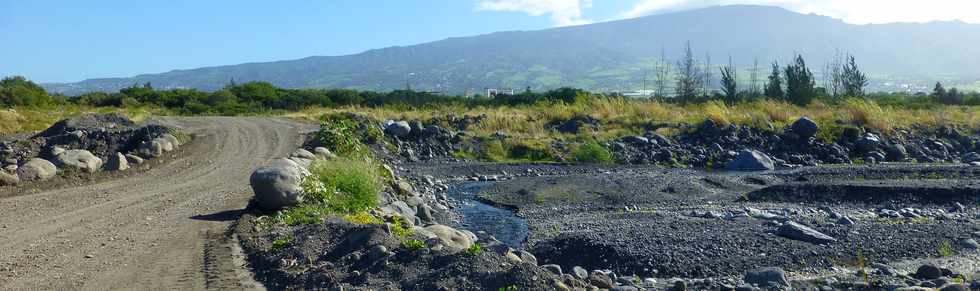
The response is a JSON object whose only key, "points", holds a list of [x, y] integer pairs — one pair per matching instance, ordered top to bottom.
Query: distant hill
{"points": [[609, 56]]}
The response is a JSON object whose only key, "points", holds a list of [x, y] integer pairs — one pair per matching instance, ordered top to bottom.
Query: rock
{"points": [[805, 127], [397, 128], [638, 140], [174, 142], [868, 142], [165, 144], [151, 149], [57, 150], [896, 152], [324, 153], [303, 154], [971, 157], [79, 159], [134, 159], [750, 160], [117, 162], [305, 163], [10, 168], [36, 169], [8, 179], [278, 185], [404, 188], [401, 208], [425, 213], [845, 220], [796, 231], [452, 239], [969, 244], [378, 252], [511, 256], [528, 257], [555, 269], [928, 272], [580, 273], [767, 277], [600, 280], [679, 285], [955, 287]]}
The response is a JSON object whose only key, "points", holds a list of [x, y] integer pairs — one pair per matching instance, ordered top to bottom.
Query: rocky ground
{"points": [[878, 226]]}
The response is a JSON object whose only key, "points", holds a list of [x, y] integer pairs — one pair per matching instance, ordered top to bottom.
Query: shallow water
{"points": [[477, 216]]}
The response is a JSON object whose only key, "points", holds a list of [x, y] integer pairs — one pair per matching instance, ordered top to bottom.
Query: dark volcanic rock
{"points": [[805, 127], [750, 160], [793, 230], [767, 277]]}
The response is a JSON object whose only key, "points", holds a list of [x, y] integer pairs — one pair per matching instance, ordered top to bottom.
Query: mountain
{"points": [[615, 55]]}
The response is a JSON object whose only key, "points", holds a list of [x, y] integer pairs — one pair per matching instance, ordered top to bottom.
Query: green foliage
{"points": [[800, 84], [774, 86], [18, 91], [339, 137], [493, 150], [591, 152], [344, 185], [303, 214], [281, 243], [413, 244], [945, 249], [474, 250], [508, 288]]}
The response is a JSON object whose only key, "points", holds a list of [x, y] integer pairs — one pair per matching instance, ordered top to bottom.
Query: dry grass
{"points": [[620, 116], [36, 119]]}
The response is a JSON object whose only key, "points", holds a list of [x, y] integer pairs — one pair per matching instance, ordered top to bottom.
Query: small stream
{"points": [[477, 216]]}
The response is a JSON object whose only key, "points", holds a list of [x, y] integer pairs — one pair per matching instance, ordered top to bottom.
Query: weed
{"points": [[591, 152], [348, 186], [362, 218], [281, 243], [413, 244], [945, 249], [474, 250], [508, 288]]}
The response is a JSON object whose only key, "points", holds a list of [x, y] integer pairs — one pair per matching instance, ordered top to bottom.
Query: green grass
{"points": [[591, 152], [343, 185], [281, 243], [413, 244], [945, 249], [474, 250]]}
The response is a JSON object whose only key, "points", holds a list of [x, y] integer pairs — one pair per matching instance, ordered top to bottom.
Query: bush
{"points": [[18, 91], [339, 137], [591, 152], [344, 185]]}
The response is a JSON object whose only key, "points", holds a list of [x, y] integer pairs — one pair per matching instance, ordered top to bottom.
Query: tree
{"points": [[663, 75], [707, 75], [688, 76], [754, 79], [853, 80], [729, 81], [800, 86], [774, 87], [18, 91], [939, 91]]}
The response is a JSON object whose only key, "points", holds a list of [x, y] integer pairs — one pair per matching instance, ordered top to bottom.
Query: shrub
{"points": [[339, 137], [493, 150], [591, 152], [348, 186], [281, 243], [413, 244], [474, 250]]}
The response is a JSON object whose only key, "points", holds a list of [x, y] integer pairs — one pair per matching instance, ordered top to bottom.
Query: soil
{"points": [[165, 227]]}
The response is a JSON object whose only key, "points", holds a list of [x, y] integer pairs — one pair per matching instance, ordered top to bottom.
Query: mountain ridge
{"points": [[614, 55]]}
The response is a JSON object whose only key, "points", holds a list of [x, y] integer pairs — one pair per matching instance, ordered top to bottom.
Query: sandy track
{"points": [[162, 229]]}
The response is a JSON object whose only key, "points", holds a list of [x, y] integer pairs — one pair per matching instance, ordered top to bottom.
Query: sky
{"points": [[70, 40]]}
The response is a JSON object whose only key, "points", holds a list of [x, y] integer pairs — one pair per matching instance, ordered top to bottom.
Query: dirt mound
{"points": [[87, 122], [100, 134], [875, 192]]}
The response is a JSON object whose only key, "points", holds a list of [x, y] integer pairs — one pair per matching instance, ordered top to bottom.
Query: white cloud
{"points": [[852, 11], [562, 12]]}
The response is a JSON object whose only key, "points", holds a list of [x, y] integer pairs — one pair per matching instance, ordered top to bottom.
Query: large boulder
{"points": [[805, 127], [397, 128], [174, 142], [165, 144], [150, 149], [324, 153], [303, 154], [80, 160], [750, 160], [117, 162], [36, 169], [8, 179], [278, 185], [796, 231], [451, 239], [767, 277]]}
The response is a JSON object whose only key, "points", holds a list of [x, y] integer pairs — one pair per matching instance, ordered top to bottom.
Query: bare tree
{"points": [[662, 75], [707, 75], [689, 76], [754, 78]]}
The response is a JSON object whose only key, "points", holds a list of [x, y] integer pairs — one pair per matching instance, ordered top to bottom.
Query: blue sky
{"points": [[70, 40]]}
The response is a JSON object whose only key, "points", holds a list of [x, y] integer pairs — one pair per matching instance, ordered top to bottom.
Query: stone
{"points": [[805, 127], [397, 128], [639, 140], [174, 142], [868, 142], [165, 144], [151, 149], [57, 150], [896, 152], [324, 153], [303, 154], [971, 157], [134, 159], [80, 160], [750, 160], [117, 162], [10, 168], [36, 169], [8, 179], [278, 185], [846, 220], [796, 231], [452, 239], [969, 244], [378, 252], [511, 256], [528, 257], [554, 269], [928, 272], [580, 273], [767, 277], [600, 280], [955, 287]]}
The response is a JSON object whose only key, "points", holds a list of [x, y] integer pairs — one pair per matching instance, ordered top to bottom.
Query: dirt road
{"points": [[162, 229]]}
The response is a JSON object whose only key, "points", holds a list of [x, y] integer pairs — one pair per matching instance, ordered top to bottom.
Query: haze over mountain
{"points": [[616, 55]]}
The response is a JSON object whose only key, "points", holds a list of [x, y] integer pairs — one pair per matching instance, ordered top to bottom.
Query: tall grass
{"points": [[344, 185]]}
